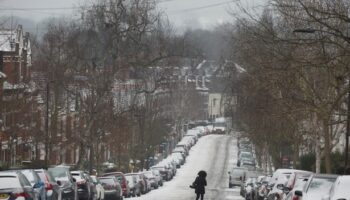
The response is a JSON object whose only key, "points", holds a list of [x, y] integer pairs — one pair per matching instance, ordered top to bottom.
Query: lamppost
{"points": [[346, 156]]}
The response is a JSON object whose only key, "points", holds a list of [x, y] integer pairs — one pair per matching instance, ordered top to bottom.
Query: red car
{"points": [[122, 180]]}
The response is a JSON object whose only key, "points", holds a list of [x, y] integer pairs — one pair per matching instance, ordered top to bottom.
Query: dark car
{"points": [[122, 180], [36, 183], [67, 183], [14, 185], [134, 185], [52, 188], [84, 189], [113, 190]]}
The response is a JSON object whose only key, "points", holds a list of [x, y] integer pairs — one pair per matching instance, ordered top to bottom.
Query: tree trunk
{"points": [[317, 144], [327, 147], [295, 154], [318, 154], [91, 158]]}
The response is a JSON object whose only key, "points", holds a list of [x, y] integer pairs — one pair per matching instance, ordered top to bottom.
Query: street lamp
{"points": [[346, 156]]}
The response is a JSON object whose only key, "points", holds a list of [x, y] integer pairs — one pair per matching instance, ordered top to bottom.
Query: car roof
{"points": [[9, 173], [111, 173], [325, 176]]}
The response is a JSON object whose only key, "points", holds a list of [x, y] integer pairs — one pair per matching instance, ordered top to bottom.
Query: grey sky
{"points": [[182, 13]]}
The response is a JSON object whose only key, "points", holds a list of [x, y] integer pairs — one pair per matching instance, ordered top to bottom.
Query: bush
{"points": [[307, 162]]}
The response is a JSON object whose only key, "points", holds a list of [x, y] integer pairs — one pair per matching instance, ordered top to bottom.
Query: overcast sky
{"points": [[182, 13]]}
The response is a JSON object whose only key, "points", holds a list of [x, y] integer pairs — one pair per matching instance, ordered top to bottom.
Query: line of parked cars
{"points": [[62, 183], [286, 184]]}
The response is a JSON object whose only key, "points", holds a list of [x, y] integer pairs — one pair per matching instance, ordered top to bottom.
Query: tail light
{"points": [[124, 184], [48, 186], [22, 194], [295, 197]]}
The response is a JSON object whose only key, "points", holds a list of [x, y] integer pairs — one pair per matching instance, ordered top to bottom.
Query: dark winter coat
{"points": [[199, 185]]}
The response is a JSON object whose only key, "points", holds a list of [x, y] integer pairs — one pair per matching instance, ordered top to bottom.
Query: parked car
{"points": [[166, 174], [158, 176], [237, 176], [296, 176], [151, 179], [122, 180], [66, 181], [36, 183], [142, 183], [147, 183], [91, 185], [134, 185], [298, 185], [15, 186], [317, 186], [112, 188], [247, 189], [340, 189], [53, 190], [262, 190], [84, 191], [100, 192]]}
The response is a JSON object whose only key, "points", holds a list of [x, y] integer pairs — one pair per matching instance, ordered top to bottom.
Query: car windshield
{"points": [[246, 155], [59, 172], [29, 175], [130, 180], [108, 181], [9, 182], [320, 185]]}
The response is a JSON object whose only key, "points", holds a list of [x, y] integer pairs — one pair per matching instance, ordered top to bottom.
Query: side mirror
{"points": [[74, 180], [59, 183], [37, 185], [298, 193]]}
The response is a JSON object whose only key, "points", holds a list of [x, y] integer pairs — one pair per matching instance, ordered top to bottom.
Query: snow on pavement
{"points": [[215, 154]]}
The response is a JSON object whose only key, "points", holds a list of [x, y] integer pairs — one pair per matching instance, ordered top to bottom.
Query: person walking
{"points": [[199, 184]]}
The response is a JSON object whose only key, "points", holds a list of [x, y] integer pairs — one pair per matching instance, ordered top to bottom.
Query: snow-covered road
{"points": [[214, 154]]}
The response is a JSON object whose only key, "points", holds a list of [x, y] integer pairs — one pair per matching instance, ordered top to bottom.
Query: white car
{"points": [[340, 189], [100, 191]]}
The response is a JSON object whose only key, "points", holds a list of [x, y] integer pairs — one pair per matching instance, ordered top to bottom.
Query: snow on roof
{"points": [[6, 38], [240, 69], [2, 75], [9, 86]]}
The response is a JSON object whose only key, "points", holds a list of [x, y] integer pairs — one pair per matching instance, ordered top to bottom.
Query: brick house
{"points": [[17, 103]]}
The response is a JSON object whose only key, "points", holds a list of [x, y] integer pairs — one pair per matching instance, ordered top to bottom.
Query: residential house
{"points": [[17, 103]]}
